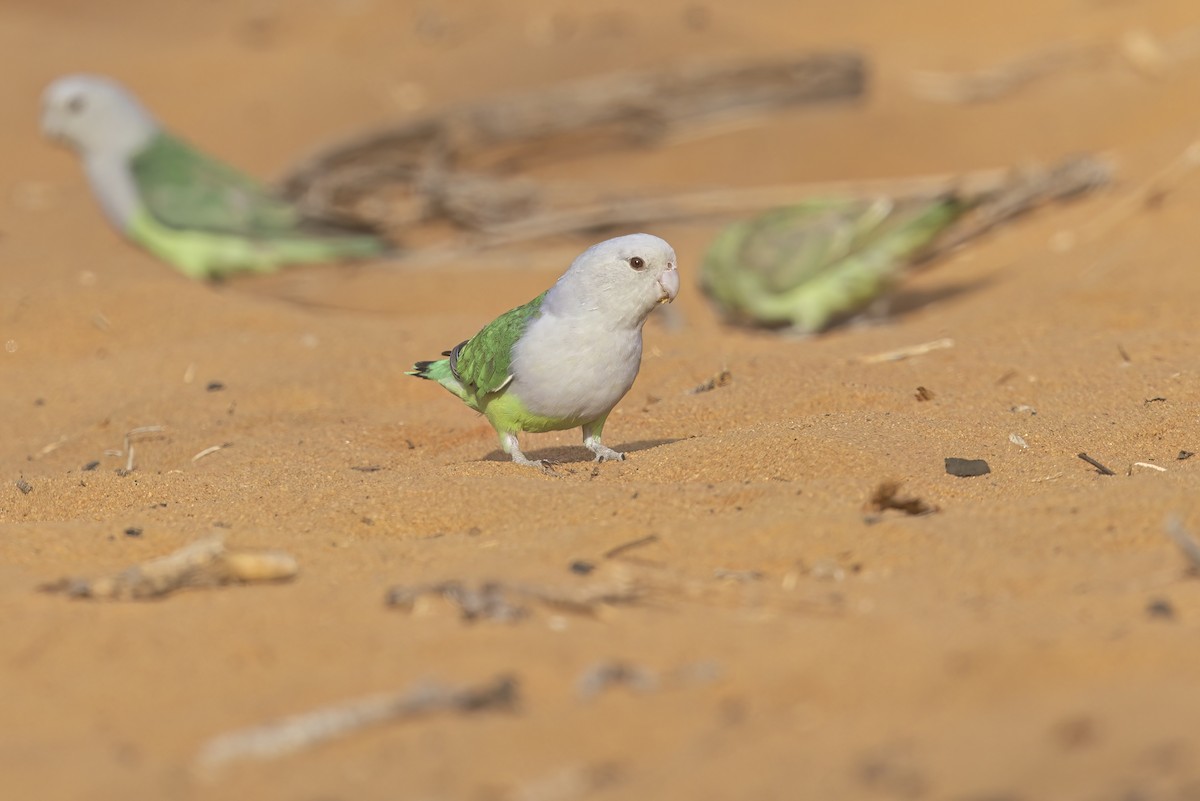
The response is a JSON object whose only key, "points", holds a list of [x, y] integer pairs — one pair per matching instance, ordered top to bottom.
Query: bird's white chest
{"points": [[113, 185], [569, 368]]}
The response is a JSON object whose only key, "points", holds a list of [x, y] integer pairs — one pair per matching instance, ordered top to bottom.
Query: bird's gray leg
{"points": [[591, 440], [508, 442]]}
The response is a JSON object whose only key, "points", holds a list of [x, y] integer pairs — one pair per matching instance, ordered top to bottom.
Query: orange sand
{"points": [[999, 649]]}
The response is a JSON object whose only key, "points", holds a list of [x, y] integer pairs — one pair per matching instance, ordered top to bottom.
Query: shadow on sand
{"points": [[905, 301], [575, 454]]}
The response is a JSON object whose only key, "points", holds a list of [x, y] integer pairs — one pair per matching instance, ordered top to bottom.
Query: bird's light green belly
{"points": [[196, 254], [200, 254], [506, 413]]}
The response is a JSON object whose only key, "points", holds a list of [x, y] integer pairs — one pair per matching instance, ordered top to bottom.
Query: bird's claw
{"points": [[608, 455], [545, 465]]}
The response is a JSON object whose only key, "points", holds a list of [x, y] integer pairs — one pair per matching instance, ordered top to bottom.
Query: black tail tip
{"points": [[420, 369]]}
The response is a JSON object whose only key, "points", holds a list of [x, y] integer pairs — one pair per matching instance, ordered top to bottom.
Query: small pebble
{"points": [[697, 17], [966, 468], [1160, 608]]}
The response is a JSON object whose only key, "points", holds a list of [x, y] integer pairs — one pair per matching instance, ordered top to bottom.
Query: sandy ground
{"points": [[1004, 648]]}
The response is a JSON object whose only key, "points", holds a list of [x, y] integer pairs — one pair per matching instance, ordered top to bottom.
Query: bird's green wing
{"points": [[185, 189], [790, 246], [808, 262], [482, 363]]}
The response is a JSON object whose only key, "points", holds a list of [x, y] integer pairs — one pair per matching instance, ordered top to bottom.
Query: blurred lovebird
{"points": [[202, 216], [810, 265], [565, 358]]}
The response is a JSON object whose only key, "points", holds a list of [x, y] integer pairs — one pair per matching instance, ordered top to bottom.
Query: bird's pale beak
{"points": [[52, 127], [50, 130], [668, 282]]}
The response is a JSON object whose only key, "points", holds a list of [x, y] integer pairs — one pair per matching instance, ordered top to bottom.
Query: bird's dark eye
{"points": [[76, 104], [637, 263]]}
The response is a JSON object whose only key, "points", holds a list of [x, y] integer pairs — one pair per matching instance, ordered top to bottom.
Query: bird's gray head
{"points": [[95, 116], [624, 277]]}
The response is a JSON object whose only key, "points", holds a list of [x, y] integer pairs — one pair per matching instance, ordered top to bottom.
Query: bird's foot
{"points": [[510, 441], [591, 441], [605, 453], [545, 465]]}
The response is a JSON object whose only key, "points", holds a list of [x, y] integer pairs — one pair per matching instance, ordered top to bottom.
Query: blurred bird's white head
{"points": [[96, 116], [624, 277]]}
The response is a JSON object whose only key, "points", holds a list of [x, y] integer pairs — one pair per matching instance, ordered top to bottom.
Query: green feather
{"points": [[183, 188], [209, 219], [811, 264], [482, 362], [480, 367], [440, 372]]}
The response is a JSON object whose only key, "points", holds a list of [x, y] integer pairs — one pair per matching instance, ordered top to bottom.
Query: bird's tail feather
{"points": [[440, 372]]}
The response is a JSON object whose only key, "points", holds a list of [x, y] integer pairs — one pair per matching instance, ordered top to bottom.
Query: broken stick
{"points": [[421, 160], [1186, 542], [204, 563], [495, 600], [306, 730]]}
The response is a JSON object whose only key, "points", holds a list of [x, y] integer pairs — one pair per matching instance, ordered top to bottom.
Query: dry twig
{"points": [[1138, 49], [992, 83], [424, 156], [1026, 189], [1149, 193], [1002, 194], [908, 352], [130, 435], [209, 451], [1104, 471], [1186, 542], [625, 547], [204, 563], [508, 603], [309, 729]]}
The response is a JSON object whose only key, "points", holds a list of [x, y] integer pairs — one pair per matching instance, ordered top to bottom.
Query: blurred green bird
{"points": [[202, 216], [814, 264]]}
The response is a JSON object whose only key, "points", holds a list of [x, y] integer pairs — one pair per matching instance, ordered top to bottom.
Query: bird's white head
{"points": [[95, 116], [624, 278]]}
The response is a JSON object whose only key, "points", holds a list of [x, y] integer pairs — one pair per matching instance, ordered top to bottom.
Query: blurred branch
{"points": [[1137, 48], [992, 83], [452, 165], [461, 167], [1025, 190], [998, 195], [306, 730]]}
